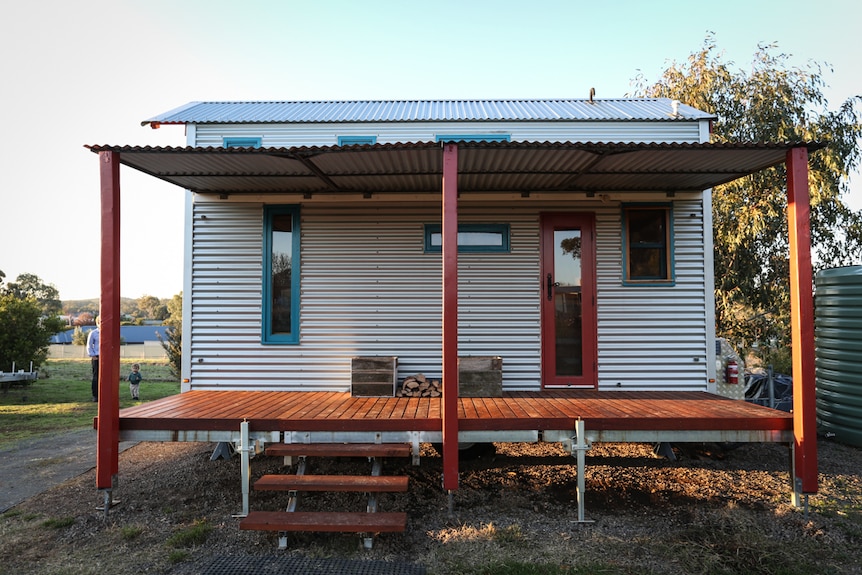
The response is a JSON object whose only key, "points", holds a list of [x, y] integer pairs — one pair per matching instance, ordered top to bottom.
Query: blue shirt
{"points": [[93, 343]]}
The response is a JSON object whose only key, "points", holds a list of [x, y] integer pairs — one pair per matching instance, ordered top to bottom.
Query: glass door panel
{"points": [[568, 301]]}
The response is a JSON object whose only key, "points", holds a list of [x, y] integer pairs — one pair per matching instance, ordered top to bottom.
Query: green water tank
{"points": [[838, 341]]}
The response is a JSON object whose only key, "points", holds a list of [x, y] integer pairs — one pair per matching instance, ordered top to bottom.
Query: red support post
{"points": [[450, 317], [801, 323], [108, 433]]}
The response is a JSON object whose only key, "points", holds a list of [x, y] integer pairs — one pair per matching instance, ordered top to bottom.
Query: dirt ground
{"points": [[714, 510]]}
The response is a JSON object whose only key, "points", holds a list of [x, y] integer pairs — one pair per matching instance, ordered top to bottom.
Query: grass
{"points": [[63, 402], [58, 523], [131, 532], [195, 534], [517, 568]]}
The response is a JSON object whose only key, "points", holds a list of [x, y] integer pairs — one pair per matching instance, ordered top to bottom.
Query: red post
{"points": [[450, 317], [801, 323], [108, 433]]}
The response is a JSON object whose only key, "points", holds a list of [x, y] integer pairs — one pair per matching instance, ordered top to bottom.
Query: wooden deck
{"points": [[607, 416]]}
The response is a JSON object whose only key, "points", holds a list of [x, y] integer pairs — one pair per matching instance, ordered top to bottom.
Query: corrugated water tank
{"points": [[838, 341]]}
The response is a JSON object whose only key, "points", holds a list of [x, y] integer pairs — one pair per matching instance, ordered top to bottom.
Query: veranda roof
{"points": [[526, 167]]}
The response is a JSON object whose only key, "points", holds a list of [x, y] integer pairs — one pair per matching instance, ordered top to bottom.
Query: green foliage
{"points": [[769, 102], [30, 285], [26, 332], [79, 336], [173, 341], [780, 358]]}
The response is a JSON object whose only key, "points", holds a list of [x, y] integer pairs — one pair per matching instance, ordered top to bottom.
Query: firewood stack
{"points": [[419, 386]]}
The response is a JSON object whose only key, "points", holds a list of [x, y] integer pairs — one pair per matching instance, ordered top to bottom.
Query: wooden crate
{"points": [[373, 376], [480, 376]]}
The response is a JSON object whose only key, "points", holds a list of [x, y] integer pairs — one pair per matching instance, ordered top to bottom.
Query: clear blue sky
{"points": [[79, 72]]}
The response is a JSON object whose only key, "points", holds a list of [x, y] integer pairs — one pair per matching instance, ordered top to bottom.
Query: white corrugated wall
{"points": [[289, 135], [368, 288], [653, 337]]}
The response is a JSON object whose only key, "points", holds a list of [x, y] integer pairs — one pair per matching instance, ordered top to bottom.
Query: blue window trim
{"points": [[473, 138], [356, 140], [241, 142], [502, 229], [670, 248], [267, 337]]}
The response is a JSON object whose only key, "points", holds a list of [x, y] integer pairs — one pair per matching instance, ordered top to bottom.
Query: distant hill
{"points": [[74, 306]]}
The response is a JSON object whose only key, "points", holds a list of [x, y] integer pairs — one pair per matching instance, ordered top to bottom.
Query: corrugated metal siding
{"points": [[654, 109], [290, 135], [369, 289], [225, 292], [653, 337]]}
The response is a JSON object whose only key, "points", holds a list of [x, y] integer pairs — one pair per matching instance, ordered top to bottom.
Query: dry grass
{"points": [[515, 515]]}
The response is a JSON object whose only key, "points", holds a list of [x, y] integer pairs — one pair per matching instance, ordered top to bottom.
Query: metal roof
{"points": [[651, 109], [482, 167]]}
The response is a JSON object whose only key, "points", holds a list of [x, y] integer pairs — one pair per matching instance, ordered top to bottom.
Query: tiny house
{"points": [[562, 248], [571, 285]]}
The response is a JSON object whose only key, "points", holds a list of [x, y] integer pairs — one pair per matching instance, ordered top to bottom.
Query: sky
{"points": [[81, 72]]}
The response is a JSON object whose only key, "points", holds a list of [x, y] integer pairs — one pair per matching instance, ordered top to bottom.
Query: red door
{"points": [[568, 309]]}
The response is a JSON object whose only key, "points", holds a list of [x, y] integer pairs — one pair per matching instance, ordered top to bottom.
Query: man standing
{"points": [[93, 352]]}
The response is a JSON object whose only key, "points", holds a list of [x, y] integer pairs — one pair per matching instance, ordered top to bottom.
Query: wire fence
{"points": [[146, 350]]}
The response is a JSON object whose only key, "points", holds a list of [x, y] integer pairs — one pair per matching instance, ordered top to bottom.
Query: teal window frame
{"points": [[473, 138], [356, 140], [242, 142], [503, 230], [666, 247], [267, 334]]}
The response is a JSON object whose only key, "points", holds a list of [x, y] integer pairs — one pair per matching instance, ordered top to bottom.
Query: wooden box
{"points": [[373, 376], [480, 376]]}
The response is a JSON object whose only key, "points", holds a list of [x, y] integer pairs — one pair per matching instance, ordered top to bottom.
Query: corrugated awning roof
{"points": [[548, 110], [483, 167]]}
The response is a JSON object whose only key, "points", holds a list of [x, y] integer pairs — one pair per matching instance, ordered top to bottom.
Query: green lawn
{"points": [[62, 401]]}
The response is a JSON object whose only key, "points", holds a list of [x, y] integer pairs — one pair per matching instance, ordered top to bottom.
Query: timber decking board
{"points": [[553, 409], [339, 449], [348, 483]]}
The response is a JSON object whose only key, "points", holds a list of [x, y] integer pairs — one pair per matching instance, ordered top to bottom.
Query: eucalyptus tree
{"points": [[770, 101], [31, 285]]}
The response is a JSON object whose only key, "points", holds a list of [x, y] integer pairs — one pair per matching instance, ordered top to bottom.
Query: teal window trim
{"points": [[473, 138], [356, 140], [241, 142], [502, 230], [668, 260], [267, 335]]}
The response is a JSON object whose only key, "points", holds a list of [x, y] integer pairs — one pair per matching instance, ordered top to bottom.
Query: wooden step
{"points": [[339, 449], [356, 483], [352, 522]]}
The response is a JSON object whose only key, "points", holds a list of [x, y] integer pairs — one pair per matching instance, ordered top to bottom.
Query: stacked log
{"points": [[419, 386]]}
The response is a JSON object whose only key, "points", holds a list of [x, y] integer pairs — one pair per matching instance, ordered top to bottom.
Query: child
{"points": [[135, 381]]}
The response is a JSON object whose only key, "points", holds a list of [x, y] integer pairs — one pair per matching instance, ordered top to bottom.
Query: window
{"points": [[473, 138], [356, 140], [242, 142], [471, 238], [647, 249], [281, 275]]}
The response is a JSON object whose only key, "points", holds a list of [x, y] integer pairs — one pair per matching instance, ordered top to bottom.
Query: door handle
{"points": [[551, 285]]}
